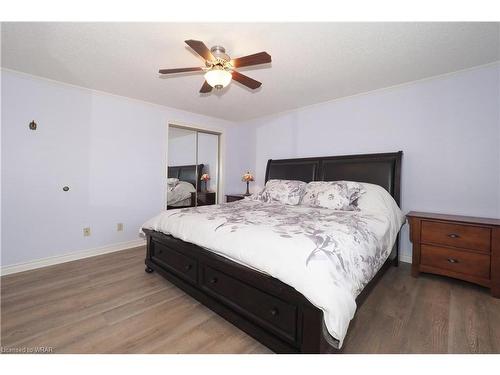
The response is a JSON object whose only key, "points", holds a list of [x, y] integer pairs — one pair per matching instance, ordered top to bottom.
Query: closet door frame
{"points": [[217, 131]]}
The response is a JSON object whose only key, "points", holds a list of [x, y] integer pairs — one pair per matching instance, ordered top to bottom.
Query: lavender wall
{"points": [[448, 128], [181, 146], [111, 151], [240, 151]]}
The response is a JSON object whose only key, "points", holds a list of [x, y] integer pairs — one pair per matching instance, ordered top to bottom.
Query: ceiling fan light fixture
{"points": [[219, 67], [218, 78]]}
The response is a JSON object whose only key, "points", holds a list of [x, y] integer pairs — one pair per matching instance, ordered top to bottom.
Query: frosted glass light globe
{"points": [[218, 78]]}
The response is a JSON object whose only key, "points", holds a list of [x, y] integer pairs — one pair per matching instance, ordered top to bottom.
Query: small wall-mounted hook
{"points": [[33, 125], [66, 188]]}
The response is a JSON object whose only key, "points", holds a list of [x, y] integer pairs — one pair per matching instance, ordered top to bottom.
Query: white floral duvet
{"points": [[180, 194], [327, 255]]}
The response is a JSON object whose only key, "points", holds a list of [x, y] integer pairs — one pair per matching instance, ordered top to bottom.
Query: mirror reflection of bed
{"points": [[193, 166], [182, 185]]}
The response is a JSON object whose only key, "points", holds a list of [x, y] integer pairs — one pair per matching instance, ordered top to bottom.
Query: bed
{"points": [[187, 181], [267, 299]]}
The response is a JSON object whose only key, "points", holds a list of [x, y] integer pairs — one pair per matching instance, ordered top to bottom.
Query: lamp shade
{"points": [[218, 78]]}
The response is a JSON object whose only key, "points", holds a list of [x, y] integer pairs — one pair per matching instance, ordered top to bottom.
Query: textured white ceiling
{"points": [[312, 62]]}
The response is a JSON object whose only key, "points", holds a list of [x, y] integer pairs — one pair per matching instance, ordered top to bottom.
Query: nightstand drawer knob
{"points": [[453, 235], [451, 260]]}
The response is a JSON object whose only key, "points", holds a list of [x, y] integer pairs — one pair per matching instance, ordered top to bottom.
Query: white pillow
{"points": [[172, 181], [284, 191], [335, 195], [375, 199], [379, 202]]}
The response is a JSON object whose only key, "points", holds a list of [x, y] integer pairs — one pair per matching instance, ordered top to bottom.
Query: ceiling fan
{"points": [[219, 67]]}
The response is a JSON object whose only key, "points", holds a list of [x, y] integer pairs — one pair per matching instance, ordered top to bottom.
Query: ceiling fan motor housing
{"points": [[219, 52]]}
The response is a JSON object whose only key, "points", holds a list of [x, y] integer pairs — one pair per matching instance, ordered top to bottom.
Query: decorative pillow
{"points": [[172, 181], [283, 191], [336, 195]]}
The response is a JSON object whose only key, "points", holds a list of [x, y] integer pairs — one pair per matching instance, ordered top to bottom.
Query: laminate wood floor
{"points": [[108, 304]]}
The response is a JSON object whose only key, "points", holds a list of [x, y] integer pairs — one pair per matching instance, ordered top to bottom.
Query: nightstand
{"points": [[234, 197], [205, 198], [463, 247]]}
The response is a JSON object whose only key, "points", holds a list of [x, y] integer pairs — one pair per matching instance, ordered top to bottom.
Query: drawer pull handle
{"points": [[453, 235], [451, 260], [187, 267], [213, 280], [274, 311]]}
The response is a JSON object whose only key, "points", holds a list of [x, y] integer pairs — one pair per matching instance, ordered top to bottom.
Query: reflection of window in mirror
{"points": [[193, 167]]}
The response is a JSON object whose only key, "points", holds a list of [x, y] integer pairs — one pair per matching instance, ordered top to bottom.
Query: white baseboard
{"points": [[405, 258], [39, 263]]}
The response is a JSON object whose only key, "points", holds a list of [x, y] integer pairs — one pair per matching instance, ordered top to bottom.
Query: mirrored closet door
{"points": [[193, 167]]}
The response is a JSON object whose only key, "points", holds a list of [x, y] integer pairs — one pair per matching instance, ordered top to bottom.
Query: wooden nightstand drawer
{"points": [[234, 197], [203, 198], [457, 235], [462, 247], [464, 262]]}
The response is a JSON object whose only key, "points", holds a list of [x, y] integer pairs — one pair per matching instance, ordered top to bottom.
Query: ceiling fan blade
{"points": [[201, 49], [255, 59], [179, 70], [247, 81], [205, 88]]}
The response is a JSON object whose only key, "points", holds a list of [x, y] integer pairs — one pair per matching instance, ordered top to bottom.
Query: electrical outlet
{"points": [[119, 227], [86, 232]]}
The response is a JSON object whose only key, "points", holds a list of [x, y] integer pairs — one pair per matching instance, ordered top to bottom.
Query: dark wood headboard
{"points": [[380, 169], [188, 173]]}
